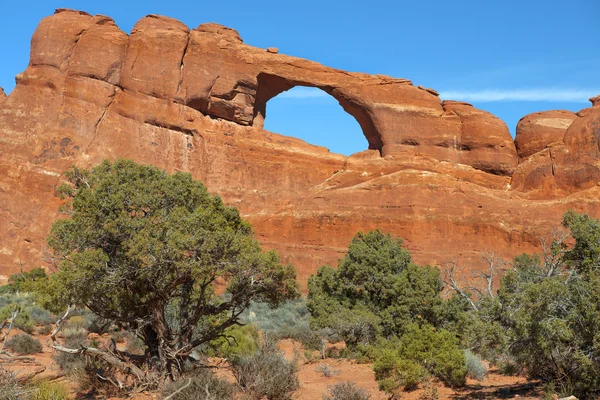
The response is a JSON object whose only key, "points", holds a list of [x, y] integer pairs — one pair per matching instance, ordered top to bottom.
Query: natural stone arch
{"points": [[269, 86]]}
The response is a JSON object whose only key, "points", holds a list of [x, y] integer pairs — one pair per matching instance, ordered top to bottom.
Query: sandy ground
{"points": [[313, 383]]}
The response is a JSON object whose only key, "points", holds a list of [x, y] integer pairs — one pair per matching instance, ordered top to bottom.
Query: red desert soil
{"points": [[313, 385]]}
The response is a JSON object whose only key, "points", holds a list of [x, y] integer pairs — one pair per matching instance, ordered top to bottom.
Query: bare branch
{"points": [[451, 281], [181, 389]]}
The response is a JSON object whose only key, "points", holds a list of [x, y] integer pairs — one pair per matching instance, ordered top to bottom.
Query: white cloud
{"points": [[303, 93], [541, 94]]}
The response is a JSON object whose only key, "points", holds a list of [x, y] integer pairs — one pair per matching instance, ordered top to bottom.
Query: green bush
{"points": [[23, 281], [375, 292], [23, 320], [239, 341], [24, 344], [422, 351], [475, 367], [266, 373], [203, 385], [45, 390], [346, 391]]}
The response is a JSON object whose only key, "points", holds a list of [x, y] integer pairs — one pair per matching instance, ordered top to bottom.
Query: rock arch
{"points": [[271, 85]]}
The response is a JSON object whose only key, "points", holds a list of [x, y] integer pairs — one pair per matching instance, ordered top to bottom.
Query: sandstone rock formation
{"points": [[445, 176]]}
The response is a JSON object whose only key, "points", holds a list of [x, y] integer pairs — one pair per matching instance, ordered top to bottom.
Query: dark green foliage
{"points": [[144, 245], [585, 255], [375, 291], [383, 305], [545, 319], [555, 328], [24, 344], [422, 351], [266, 373], [202, 385], [346, 391]]}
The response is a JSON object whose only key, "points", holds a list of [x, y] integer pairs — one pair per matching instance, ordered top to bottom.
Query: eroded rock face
{"points": [[538, 130], [443, 175]]}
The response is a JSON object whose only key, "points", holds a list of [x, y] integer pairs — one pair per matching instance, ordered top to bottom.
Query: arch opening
{"points": [[311, 112]]}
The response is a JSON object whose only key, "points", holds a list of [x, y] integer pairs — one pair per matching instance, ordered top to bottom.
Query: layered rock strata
{"points": [[444, 175]]}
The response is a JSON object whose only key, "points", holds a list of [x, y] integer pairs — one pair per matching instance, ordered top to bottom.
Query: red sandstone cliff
{"points": [[445, 176]]}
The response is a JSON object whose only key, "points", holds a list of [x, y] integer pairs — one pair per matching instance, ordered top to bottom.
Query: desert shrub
{"points": [[39, 315], [23, 320], [273, 320], [289, 321], [76, 322], [94, 323], [45, 329], [74, 333], [302, 333], [239, 341], [24, 344], [408, 360], [72, 364], [509, 367], [476, 369], [326, 371], [266, 373], [202, 385], [10, 388], [44, 390], [346, 391], [430, 392]]}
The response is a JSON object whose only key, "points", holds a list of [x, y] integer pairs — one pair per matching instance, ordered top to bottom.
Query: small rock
{"points": [[273, 50], [432, 91]]}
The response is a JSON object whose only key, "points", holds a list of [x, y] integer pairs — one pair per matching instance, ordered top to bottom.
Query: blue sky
{"points": [[507, 57]]}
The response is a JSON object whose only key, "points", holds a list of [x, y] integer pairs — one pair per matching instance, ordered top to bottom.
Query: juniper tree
{"points": [[158, 255]]}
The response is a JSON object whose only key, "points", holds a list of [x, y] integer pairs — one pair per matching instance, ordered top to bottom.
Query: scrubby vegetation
{"points": [[155, 278], [389, 309], [24, 344], [266, 373], [201, 385], [346, 391]]}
